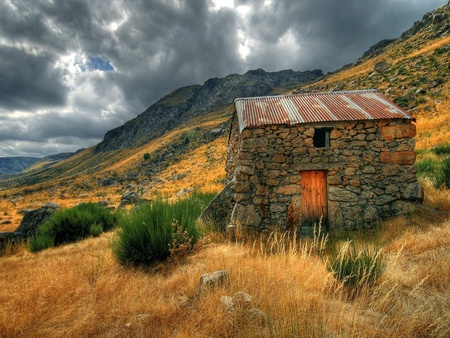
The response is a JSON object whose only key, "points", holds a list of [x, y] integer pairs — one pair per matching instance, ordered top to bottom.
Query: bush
{"points": [[441, 150], [427, 167], [444, 177], [70, 225], [95, 229], [150, 232], [41, 242], [353, 266]]}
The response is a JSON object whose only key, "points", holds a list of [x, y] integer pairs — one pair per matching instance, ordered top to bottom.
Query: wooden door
{"points": [[314, 198]]}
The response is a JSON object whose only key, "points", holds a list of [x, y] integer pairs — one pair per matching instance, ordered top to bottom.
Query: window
{"points": [[321, 137]]}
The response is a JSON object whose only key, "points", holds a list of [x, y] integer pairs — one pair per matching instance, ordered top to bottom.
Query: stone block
{"points": [[390, 133], [335, 134], [254, 143], [399, 157], [280, 158], [242, 186], [290, 189], [413, 192], [341, 195], [245, 216]]}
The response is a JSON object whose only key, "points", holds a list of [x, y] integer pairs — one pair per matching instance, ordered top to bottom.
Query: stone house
{"points": [[345, 159]]}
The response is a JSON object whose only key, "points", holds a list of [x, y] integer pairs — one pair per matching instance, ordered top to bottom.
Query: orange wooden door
{"points": [[314, 198]]}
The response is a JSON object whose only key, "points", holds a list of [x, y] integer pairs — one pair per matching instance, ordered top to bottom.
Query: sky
{"points": [[70, 70]]}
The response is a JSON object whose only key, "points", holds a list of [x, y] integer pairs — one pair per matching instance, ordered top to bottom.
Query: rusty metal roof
{"points": [[353, 105]]}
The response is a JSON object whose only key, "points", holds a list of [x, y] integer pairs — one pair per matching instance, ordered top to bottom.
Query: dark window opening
{"points": [[321, 138]]}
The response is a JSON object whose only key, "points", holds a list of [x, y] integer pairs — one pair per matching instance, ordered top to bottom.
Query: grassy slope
{"points": [[79, 290]]}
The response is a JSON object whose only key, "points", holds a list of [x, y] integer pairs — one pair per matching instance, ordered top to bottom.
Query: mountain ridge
{"points": [[417, 79], [197, 100]]}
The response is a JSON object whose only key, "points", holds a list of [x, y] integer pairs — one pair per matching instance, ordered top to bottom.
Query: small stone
{"points": [[212, 280], [242, 300], [227, 303]]}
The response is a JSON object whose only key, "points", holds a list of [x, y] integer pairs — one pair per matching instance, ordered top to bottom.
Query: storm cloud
{"points": [[72, 70]]}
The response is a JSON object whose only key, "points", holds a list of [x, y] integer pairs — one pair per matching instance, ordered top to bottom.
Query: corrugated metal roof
{"points": [[353, 105]]}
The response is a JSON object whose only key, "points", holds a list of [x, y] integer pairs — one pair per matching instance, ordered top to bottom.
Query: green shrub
{"points": [[441, 150], [146, 156], [427, 167], [444, 174], [70, 225], [95, 229], [150, 232], [41, 242], [353, 266]]}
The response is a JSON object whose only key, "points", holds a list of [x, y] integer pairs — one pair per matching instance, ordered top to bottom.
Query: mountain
{"points": [[193, 101], [181, 140], [16, 165]]}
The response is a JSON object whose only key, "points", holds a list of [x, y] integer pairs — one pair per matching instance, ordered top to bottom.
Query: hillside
{"points": [[413, 71], [170, 145], [14, 165], [27, 165], [80, 290]]}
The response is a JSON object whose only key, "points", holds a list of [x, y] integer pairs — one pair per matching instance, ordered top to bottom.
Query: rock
{"points": [[381, 67], [214, 133], [398, 157], [177, 177], [184, 191], [413, 192], [342, 195], [130, 197], [103, 203], [51, 205], [25, 211], [218, 212], [371, 214], [245, 215], [5, 222], [29, 225], [8, 237], [212, 280], [242, 300], [227, 303], [257, 317]]}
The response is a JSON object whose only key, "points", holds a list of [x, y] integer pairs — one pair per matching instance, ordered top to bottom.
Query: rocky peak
{"points": [[434, 23], [187, 102]]}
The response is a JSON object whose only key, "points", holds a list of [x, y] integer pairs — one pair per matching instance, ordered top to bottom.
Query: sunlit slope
{"points": [[417, 78]]}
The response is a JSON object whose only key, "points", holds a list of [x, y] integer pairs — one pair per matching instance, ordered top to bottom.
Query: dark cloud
{"points": [[71, 70], [29, 79]]}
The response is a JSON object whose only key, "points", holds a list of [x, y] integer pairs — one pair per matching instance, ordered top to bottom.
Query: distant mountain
{"points": [[415, 74], [196, 100], [16, 165]]}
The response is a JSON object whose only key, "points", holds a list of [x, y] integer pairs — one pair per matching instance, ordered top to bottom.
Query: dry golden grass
{"points": [[79, 290]]}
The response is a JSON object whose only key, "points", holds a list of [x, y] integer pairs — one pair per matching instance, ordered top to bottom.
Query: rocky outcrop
{"points": [[378, 48], [130, 197], [217, 214], [29, 225]]}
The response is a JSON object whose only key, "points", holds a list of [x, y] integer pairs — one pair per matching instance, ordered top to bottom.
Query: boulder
{"points": [[381, 67], [130, 197], [51, 205], [217, 214], [29, 225], [212, 280], [242, 300]]}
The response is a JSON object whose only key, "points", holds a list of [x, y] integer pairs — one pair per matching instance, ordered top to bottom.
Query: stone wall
{"points": [[369, 165]]}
